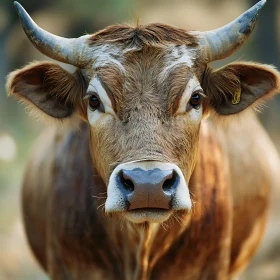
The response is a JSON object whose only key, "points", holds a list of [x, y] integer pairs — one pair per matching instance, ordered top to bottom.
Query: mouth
{"points": [[147, 192], [150, 215]]}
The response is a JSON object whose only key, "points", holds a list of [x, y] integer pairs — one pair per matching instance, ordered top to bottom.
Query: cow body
{"points": [[149, 186], [72, 239]]}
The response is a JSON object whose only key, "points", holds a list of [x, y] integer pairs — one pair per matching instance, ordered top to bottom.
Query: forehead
{"points": [[153, 34], [124, 45], [145, 56], [142, 62], [145, 63], [146, 68], [150, 78]]}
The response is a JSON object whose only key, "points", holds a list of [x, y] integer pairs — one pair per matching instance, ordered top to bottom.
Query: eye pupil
{"points": [[195, 100], [94, 102]]}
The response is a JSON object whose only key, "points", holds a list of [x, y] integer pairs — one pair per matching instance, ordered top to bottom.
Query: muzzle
{"points": [[145, 186]]}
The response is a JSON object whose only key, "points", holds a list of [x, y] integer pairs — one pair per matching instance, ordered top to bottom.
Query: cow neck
{"points": [[142, 247]]}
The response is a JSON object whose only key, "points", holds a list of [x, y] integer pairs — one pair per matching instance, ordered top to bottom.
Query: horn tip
{"points": [[261, 3], [17, 5], [259, 6]]}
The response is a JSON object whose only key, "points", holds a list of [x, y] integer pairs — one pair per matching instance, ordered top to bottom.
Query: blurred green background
{"points": [[71, 18]]}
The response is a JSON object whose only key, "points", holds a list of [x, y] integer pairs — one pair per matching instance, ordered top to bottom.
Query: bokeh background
{"points": [[70, 18]]}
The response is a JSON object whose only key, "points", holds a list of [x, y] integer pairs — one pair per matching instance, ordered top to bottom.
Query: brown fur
{"points": [[150, 35], [112, 80], [53, 82], [220, 84], [145, 115], [78, 241], [187, 247]]}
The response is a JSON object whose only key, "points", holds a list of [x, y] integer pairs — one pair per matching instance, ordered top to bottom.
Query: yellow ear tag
{"points": [[236, 97]]}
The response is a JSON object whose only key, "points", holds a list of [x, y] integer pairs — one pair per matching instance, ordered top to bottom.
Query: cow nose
{"points": [[148, 188]]}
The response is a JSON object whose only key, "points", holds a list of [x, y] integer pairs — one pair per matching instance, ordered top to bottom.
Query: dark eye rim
{"points": [[196, 93], [97, 106]]}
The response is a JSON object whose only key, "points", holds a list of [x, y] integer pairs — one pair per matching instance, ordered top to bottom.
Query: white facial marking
{"points": [[106, 54], [181, 54], [187, 58], [191, 86], [96, 87], [195, 114], [116, 201]]}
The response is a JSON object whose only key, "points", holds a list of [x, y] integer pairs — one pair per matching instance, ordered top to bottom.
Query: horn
{"points": [[222, 42], [59, 48]]}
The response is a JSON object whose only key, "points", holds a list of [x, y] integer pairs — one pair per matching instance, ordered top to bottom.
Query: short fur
{"points": [[149, 35], [144, 72], [222, 83], [60, 87], [72, 238]]}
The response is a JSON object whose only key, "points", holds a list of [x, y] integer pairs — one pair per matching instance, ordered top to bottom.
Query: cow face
{"points": [[144, 92], [144, 106]]}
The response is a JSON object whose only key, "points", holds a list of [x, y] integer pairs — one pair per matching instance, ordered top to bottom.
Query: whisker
{"points": [[102, 193], [99, 197], [103, 204], [177, 219], [181, 219], [171, 221], [164, 226]]}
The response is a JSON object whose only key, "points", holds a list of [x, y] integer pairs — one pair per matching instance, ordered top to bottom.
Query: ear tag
{"points": [[236, 97]]}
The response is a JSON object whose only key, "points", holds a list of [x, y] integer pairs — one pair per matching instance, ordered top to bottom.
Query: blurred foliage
{"points": [[71, 18]]}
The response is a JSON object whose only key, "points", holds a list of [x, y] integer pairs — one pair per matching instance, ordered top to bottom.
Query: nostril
{"points": [[126, 183], [170, 184]]}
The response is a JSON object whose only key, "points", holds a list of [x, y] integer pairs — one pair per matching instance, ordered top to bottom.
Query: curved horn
{"points": [[222, 42], [58, 48]]}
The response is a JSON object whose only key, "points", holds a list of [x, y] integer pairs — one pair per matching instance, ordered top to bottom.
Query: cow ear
{"points": [[238, 86], [48, 87]]}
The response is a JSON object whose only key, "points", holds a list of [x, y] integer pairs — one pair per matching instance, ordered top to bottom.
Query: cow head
{"points": [[144, 92]]}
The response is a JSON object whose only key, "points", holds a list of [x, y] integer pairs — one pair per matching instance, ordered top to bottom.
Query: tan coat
{"points": [[230, 186]]}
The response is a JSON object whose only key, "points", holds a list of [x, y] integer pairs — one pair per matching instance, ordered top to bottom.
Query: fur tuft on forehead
{"points": [[152, 34]]}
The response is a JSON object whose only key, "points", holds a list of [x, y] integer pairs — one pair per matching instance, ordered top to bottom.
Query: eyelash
{"points": [[94, 104]]}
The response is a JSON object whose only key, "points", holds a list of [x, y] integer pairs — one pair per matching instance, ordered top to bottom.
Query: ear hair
{"points": [[59, 83], [220, 85]]}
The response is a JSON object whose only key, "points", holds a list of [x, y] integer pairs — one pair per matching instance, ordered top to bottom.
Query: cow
{"points": [[157, 167]]}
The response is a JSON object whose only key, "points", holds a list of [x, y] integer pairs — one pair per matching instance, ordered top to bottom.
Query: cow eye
{"points": [[195, 100], [93, 102]]}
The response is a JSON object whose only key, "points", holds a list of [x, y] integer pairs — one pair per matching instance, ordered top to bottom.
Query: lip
{"points": [[150, 215]]}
